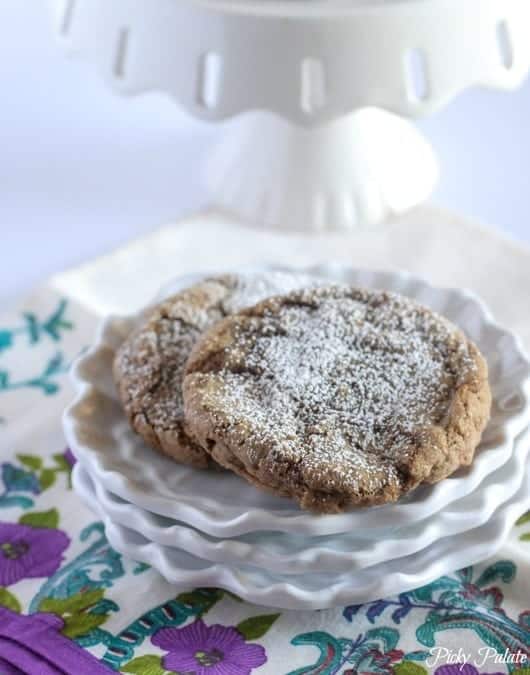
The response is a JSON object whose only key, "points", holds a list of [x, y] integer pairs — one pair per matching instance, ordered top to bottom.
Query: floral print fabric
{"points": [[71, 604]]}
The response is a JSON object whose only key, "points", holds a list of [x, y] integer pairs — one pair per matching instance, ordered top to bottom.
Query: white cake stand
{"points": [[336, 74]]}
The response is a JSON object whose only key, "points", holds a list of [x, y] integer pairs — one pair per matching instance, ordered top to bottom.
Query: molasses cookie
{"points": [[149, 366], [337, 396]]}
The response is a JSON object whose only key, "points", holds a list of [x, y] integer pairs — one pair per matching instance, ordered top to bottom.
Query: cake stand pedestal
{"points": [[323, 84]]}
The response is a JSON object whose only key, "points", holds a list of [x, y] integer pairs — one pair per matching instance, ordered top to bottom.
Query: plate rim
{"points": [[258, 518], [288, 564], [283, 593]]}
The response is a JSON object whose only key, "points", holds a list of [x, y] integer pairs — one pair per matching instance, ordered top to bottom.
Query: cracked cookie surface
{"points": [[149, 366], [337, 396]]}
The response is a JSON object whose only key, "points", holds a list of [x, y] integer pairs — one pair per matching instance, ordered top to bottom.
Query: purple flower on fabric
{"points": [[69, 457], [28, 552], [208, 650], [460, 669]]}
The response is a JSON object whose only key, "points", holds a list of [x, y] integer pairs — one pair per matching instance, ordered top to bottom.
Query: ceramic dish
{"points": [[99, 434], [295, 554], [319, 591]]}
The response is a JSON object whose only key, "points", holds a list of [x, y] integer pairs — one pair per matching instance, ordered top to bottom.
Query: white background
{"points": [[82, 170]]}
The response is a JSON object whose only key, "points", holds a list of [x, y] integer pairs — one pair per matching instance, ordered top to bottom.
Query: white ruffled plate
{"points": [[100, 436], [295, 554], [319, 591]]}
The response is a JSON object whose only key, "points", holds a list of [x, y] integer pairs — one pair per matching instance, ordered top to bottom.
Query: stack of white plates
{"points": [[201, 528]]}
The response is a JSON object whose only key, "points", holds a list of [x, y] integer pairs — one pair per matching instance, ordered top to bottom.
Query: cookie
{"points": [[149, 366], [337, 396]]}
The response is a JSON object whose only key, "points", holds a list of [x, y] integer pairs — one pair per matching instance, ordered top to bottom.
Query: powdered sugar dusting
{"points": [[249, 289], [150, 364], [339, 383]]}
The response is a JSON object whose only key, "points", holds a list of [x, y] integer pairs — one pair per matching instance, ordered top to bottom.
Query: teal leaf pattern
{"points": [[33, 330], [45, 381], [455, 603], [372, 652]]}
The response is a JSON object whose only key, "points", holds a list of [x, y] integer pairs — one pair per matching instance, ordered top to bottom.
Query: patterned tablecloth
{"points": [[71, 604]]}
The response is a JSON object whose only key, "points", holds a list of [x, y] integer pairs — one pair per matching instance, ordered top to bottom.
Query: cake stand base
{"points": [[347, 174]]}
